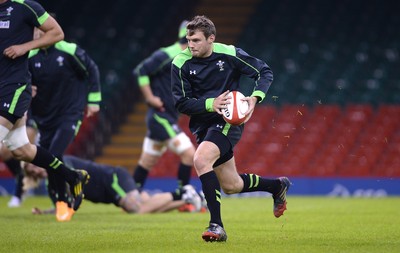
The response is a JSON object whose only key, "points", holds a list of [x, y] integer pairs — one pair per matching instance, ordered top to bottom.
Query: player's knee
{"points": [[3, 132], [18, 143], [181, 145], [23, 153], [200, 163], [232, 186], [230, 189]]}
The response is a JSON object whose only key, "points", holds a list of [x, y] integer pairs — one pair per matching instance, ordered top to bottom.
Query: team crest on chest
{"points": [[9, 10], [60, 61], [220, 64]]}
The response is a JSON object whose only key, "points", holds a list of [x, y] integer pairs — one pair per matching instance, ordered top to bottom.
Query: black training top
{"points": [[17, 20], [156, 71], [67, 79], [197, 81]]}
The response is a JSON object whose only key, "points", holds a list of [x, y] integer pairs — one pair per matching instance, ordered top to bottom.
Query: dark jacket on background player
{"points": [[156, 71], [67, 80]]}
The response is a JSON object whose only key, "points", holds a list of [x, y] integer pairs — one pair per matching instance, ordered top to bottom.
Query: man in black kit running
{"points": [[17, 21], [202, 76], [67, 81]]}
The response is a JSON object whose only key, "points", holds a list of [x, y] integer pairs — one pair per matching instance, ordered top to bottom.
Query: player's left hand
{"points": [[252, 101], [92, 110]]}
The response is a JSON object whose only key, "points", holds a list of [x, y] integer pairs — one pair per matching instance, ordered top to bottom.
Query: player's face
{"points": [[199, 45]]}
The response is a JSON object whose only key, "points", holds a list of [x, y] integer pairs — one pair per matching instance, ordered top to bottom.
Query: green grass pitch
{"points": [[311, 224]]}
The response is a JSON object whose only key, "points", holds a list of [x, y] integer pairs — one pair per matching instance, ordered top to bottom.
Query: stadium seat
{"points": [[327, 141]]}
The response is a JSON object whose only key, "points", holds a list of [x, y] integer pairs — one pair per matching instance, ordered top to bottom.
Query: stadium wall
{"points": [[333, 187]]}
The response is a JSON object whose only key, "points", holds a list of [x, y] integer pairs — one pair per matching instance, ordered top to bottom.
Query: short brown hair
{"points": [[203, 24]]}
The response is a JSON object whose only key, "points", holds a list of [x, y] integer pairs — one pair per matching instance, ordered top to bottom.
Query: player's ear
{"points": [[211, 38]]}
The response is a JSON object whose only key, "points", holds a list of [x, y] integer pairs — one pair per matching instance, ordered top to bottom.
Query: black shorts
{"points": [[15, 99], [160, 128], [225, 136], [125, 180], [122, 184]]}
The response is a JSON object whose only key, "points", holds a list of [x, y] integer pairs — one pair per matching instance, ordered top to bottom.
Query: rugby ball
{"points": [[234, 112]]}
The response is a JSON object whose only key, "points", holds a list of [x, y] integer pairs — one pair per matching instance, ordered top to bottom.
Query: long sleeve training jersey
{"points": [[17, 19], [156, 72], [67, 79], [197, 81]]}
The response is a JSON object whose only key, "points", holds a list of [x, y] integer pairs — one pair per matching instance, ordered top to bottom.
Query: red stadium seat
{"points": [[325, 141]]}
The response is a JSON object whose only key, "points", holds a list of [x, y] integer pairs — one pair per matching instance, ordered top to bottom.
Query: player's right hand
{"points": [[15, 51], [221, 102], [157, 103]]}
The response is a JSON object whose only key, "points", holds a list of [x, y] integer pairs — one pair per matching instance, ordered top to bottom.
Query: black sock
{"points": [[46, 160], [15, 167], [184, 173], [140, 176], [253, 182], [19, 185], [58, 186], [51, 188], [62, 190], [212, 193], [177, 194]]}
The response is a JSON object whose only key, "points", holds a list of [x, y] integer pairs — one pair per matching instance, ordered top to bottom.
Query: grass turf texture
{"points": [[310, 225]]}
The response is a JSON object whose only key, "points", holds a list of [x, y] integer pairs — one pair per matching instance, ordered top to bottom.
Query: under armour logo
{"points": [[38, 65], [192, 72], [6, 105], [220, 126]]}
